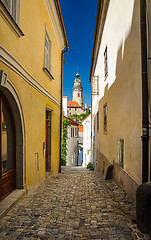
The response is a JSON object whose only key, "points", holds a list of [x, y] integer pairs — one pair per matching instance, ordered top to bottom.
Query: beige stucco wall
{"points": [[122, 88]]}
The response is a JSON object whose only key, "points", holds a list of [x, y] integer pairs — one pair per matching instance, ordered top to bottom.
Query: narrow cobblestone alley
{"points": [[76, 204]]}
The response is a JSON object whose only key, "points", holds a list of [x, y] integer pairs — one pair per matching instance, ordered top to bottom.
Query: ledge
{"points": [[10, 21], [48, 73], [7, 203]]}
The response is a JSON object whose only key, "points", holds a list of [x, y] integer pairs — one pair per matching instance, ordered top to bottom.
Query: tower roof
{"points": [[77, 75], [77, 78]]}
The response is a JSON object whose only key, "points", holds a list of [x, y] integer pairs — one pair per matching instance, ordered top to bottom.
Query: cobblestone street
{"points": [[76, 204]]}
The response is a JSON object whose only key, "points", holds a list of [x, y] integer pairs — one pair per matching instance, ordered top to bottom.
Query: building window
{"points": [[13, 7], [47, 52], [48, 55], [105, 63], [95, 85], [105, 118], [97, 121], [72, 132], [75, 132], [120, 152], [36, 162]]}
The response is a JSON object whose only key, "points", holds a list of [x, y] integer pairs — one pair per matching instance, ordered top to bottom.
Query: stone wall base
{"points": [[120, 176]]}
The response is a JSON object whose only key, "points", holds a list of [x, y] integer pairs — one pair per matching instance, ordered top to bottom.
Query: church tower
{"points": [[77, 94]]}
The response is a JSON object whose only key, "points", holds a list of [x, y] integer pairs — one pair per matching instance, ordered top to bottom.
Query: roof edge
{"points": [[102, 9], [59, 11]]}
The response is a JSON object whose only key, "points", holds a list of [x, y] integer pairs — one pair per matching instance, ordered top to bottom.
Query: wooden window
{"points": [[105, 63], [105, 118]]}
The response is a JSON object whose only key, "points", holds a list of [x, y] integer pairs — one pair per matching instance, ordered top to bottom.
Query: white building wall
{"points": [[117, 27], [121, 90], [64, 104], [86, 140], [72, 146]]}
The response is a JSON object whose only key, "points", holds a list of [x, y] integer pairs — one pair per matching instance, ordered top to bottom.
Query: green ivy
{"points": [[79, 118], [66, 123], [90, 166]]}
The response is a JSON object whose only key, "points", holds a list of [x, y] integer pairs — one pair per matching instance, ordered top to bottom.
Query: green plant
{"points": [[78, 118], [66, 123], [90, 166]]}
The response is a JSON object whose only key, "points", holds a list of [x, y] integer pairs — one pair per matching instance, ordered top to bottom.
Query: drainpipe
{"points": [[62, 64], [145, 112]]}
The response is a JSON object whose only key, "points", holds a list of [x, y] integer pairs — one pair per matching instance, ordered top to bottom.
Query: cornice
{"points": [[50, 5], [99, 26], [13, 64]]}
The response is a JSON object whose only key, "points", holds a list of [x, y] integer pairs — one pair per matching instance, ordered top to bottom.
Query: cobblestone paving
{"points": [[73, 205]]}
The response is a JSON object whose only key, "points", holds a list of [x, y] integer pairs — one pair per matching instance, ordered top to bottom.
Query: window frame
{"points": [[13, 7], [6, 13], [48, 50], [105, 63], [48, 68], [105, 111], [97, 118], [120, 152]]}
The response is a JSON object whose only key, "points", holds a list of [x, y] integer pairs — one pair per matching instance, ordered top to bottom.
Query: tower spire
{"points": [[77, 94]]}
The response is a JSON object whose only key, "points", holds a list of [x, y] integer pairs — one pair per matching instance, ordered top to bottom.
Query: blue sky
{"points": [[79, 18]]}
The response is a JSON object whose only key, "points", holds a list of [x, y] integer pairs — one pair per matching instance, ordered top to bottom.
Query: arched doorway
{"points": [[15, 137], [7, 149]]}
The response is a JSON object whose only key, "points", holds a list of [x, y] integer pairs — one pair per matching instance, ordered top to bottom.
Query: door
{"points": [[48, 141], [7, 149], [80, 155]]}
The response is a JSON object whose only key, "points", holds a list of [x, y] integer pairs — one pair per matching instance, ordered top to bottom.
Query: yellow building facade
{"points": [[32, 44]]}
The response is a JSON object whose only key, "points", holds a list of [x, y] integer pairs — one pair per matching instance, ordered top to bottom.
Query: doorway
{"points": [[48, 141], [7, 149], [80, 155]]}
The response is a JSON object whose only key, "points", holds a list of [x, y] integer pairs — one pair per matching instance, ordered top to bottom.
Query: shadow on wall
{"points": [[124, 104]]}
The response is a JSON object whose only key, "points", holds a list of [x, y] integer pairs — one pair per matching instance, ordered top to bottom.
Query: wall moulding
{"points": [[13, 64]]}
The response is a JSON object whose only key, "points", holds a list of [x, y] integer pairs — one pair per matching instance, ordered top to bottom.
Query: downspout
{"points": [[62, 64], [145, 112]]}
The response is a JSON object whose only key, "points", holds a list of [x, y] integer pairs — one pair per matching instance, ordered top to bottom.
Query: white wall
{"points": [[117, 27], [121, 91], [64, 104], [86, 140], [71, 159]]}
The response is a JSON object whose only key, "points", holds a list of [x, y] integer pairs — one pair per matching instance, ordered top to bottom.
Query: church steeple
{"points": [[77, 94]]}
